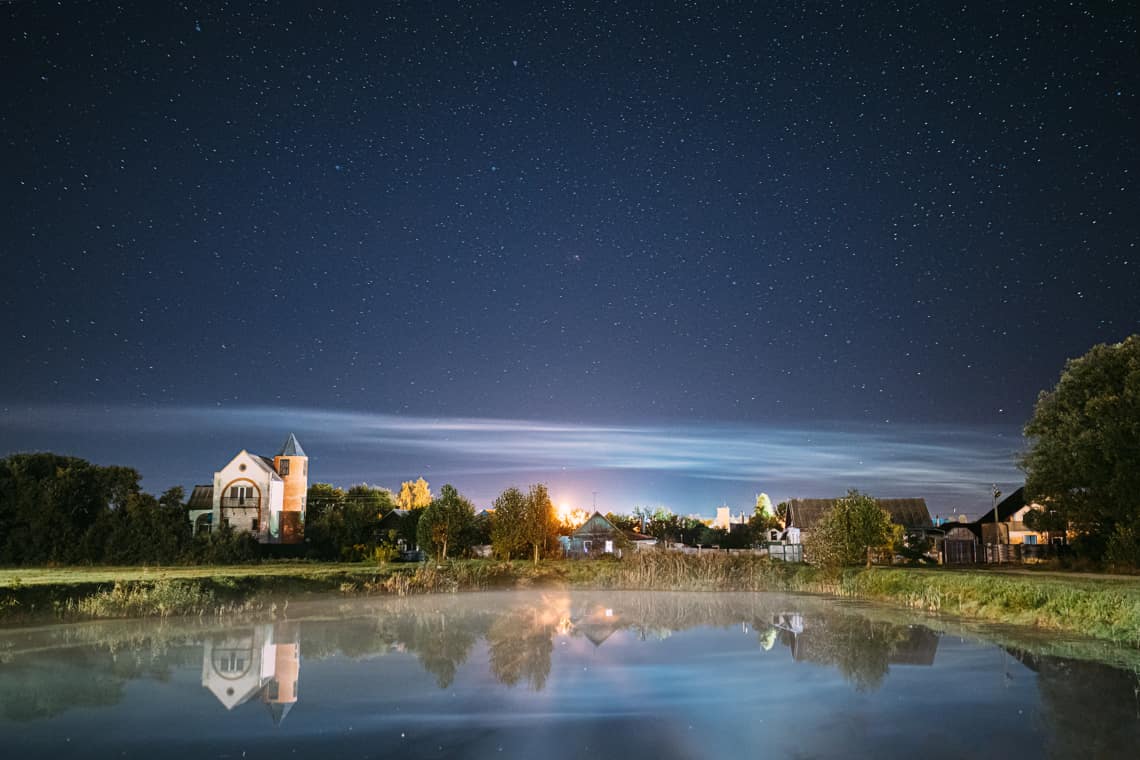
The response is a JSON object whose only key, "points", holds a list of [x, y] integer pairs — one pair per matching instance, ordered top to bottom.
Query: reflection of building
{"points": [[255, 494], [596, 622], [901, 645], [266, 662]]}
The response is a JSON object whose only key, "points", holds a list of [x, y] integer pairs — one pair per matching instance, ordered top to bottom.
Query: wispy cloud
{"points": [[944, 462]]}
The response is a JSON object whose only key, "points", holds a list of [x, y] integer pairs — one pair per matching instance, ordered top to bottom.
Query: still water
{"points": [[562, 675]]}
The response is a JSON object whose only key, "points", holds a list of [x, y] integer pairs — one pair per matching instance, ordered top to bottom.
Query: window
{"points": [[241, 467], [284, 467], [305, 468], [253, 525], [1031, 540], [586, 547], [609, 547]]}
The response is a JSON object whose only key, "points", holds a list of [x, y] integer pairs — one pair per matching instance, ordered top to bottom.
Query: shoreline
{"points": [[1107, 609]]}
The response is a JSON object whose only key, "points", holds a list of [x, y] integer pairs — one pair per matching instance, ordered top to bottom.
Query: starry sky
{"points": [[675, 253]]}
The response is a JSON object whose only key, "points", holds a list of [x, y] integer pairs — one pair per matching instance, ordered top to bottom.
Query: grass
{"points": [[1108, 609]]}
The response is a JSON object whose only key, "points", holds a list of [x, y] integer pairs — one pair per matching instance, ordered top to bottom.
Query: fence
{"points": [[957, 552]]}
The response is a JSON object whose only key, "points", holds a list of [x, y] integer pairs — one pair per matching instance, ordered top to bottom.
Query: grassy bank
{"points": [[1101, 608]]}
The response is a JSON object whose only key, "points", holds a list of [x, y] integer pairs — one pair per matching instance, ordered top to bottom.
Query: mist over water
{"points": [[561, 674]]}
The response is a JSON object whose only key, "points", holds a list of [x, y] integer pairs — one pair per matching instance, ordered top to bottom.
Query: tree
{"points": [[1083, 458], [414, 494], [321, 498], [371, 498], [764, 518], [623, 522], [445, 523], [539, 523], [344, 525], [849, 532], [507, 535]]}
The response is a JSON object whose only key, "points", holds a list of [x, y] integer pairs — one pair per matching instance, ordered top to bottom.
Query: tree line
{"points": [[1082, 463], [65, 511]]}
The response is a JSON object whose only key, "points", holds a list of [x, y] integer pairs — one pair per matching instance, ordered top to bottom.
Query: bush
{"points": [[1124, 546]]}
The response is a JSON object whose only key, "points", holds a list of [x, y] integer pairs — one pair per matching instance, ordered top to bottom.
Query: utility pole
{"points": [[997, 524]]}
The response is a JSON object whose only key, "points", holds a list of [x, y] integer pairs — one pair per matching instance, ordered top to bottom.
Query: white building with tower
{"points": [[265, 496]]}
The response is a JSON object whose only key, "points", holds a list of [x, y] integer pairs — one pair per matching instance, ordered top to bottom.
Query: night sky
{"points": [[674, 253]]}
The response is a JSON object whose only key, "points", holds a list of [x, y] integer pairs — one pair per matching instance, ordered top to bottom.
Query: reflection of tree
{"points": [[441, 642], [520, 644], [861, 649], [49, 683], [1090, 709]]}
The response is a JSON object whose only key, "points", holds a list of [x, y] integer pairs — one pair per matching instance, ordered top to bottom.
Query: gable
{"points": [[249, 466], [596, 525]]}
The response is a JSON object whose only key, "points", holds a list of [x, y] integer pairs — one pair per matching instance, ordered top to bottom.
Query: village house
{"points": [[254, 494], [911, 514], [1009, 526], [598, 536]]}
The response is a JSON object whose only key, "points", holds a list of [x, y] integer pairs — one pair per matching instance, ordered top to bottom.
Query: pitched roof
{"points": [[291, 448], [263, 462], [202, 497], [1006, 508], [910, 513], [596, 524]]}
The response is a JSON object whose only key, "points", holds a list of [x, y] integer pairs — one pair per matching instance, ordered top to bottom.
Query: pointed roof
{"points": [[291, 448], [596, 524], [278, 710]]}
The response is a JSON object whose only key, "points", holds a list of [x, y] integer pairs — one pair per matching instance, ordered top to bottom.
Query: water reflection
{"points": [[862, 650], [475, 659], [263, 662]]}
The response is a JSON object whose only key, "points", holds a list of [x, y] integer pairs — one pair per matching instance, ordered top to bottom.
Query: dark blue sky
{"points": [[749, 225]]}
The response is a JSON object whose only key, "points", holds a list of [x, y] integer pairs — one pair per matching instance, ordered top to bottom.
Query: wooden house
{"points": [[911, 514], [596, 537]]}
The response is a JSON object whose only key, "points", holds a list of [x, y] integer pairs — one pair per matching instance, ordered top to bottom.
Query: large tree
{"points": [[1083, 458], [414, 494], [57, 509], [540, 522], [446, 523], [849, 532], [507, 536]]}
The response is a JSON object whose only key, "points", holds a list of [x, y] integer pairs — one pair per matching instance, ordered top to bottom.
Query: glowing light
{"points": [[569, 516]]}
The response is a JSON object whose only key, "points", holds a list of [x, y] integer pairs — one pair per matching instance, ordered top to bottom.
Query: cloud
{"points": [[942, 462]]}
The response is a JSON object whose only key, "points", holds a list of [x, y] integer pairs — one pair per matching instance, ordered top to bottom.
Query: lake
{"points": [[565, 675]]}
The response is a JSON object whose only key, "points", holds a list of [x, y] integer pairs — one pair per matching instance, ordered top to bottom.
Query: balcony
{"points": [[243, 502]]}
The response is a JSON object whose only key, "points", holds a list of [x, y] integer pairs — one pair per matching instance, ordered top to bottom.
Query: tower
{"points": [[292, 464]]}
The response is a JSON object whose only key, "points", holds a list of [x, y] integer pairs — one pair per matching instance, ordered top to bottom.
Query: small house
{"points": [[1009, 526], [596, 537]]}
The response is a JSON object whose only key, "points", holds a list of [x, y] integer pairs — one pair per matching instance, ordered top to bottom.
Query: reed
{"points": [[1101, 608]]}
